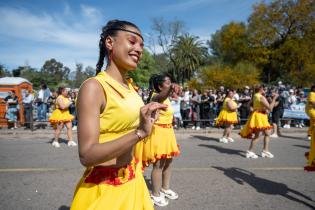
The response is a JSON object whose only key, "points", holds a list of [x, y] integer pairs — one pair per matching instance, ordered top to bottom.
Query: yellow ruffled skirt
{"points": [[311, 114], [59, 116], [226, 117], [257, 121], [161, 144], [310, 156], [103, 188]]}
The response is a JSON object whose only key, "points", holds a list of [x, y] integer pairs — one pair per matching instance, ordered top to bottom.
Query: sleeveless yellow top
{"points": [[310, 98], [65, 100], [256, 101], [225, 104], [122, 110], [166, 117]]}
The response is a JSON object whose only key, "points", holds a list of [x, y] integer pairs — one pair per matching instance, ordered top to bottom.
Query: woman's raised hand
{"points": [[148, 115]]}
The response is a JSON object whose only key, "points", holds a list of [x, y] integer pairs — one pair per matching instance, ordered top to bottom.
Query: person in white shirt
{"points": [[28, 107]]}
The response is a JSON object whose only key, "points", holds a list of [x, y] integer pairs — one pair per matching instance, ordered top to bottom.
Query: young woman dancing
{"points": [[61, 117], [227, 117], [112, 120], [258, 122], [160, 147]]}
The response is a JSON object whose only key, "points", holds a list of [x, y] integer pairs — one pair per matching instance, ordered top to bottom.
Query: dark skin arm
{"points": [[91, 152]]}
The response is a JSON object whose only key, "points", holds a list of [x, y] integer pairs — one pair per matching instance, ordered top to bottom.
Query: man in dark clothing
{"points": [[244, 109], [277, 113]]}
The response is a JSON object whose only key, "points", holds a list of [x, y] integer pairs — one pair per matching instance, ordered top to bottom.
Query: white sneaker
{"points": [[193, 127], [74, 128], [197, 128], [274, 135], [230, 139], [223, 140], [55, 144], [72, 144], [250, 154], [266, 154], [170, 194], [159, 200]]}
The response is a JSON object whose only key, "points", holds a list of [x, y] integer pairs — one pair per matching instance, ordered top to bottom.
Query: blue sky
{"points": [[32, 31]]}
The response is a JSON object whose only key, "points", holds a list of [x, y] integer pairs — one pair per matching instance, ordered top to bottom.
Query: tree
{"points": [[167, 33], [281, 36], [230, 43], [188, 53], [55, 71], [4, 72], [32, 75], [235, 77]]}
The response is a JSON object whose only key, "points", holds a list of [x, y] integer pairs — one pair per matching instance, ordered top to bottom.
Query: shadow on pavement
{"points": [[293, 137], [205, 138], [61, 141], [302, 146], [224, 150], [265, 186], [64, 208]]}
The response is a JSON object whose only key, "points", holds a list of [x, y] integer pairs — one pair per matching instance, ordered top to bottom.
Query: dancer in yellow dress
{"points": [[310, 111], [61, 117], [227, 117], [112, 119], [258, 122], [160, 147]]}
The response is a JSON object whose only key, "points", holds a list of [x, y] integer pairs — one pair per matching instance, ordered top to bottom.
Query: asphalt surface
{"points": [[207, 175]]}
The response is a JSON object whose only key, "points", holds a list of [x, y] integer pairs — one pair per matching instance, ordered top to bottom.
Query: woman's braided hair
{"points": [[110, 29]]}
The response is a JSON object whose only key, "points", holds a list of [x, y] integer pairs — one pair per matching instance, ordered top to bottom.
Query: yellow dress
{"points": [[61, 115], [227, 116], [257, 121], [162, 141], [310, 156], [104, 188]]}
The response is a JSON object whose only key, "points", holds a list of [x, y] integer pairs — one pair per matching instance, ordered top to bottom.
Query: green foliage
{"points": [[281, 36], [278, 39], [230, 43], [188, 54], [4, 72], [55, 72], [217, 75], [304, 78]]}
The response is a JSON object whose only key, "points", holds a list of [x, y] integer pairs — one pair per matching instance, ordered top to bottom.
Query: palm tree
{"points": [[187, 53]]}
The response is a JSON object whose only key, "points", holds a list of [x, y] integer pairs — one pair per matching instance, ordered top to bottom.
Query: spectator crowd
{"points": [[192, 108]]}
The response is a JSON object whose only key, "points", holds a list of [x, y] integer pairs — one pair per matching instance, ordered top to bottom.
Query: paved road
{"points": [[208, 174]]}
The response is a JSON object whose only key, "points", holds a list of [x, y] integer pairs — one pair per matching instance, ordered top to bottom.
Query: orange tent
{"points": [[19, 85]]}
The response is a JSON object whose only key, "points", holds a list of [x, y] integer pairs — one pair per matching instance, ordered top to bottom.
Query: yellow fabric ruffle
{"points": [[59, 115], [226, 117], [257, 121], [160, 144], [310, 156], [131, 195]]}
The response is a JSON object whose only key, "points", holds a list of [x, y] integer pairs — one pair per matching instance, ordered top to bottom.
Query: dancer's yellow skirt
{"points": [[59, 115], [226, 117], [257, 121], [160, 144], [310, 156], [103, 188]]}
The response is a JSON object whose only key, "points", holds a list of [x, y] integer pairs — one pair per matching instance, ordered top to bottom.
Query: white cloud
{"points": [[184, 5], [56, 34]]}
